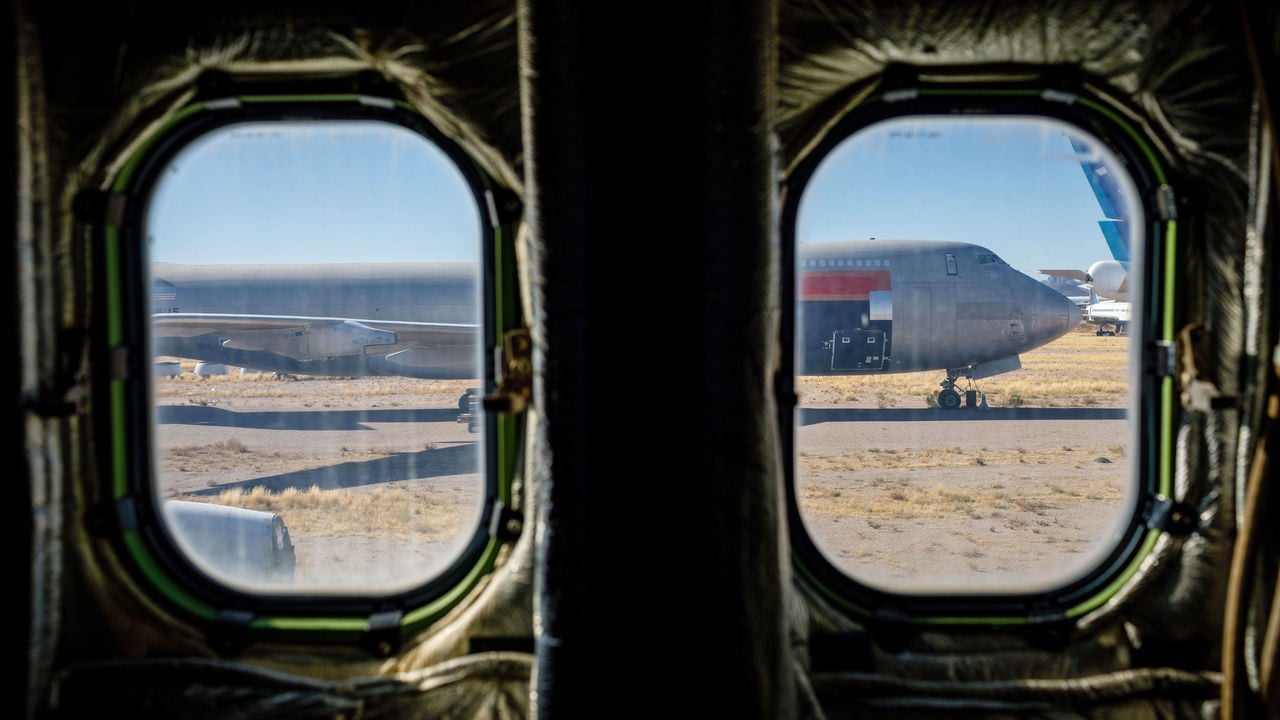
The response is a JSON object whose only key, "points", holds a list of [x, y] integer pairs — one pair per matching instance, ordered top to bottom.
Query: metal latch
{"points": [[1161, 359], [515, 386], [1176, 518], [382, 633]]}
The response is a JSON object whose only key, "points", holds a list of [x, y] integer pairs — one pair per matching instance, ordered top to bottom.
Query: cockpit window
{"points": [[965, 423]]}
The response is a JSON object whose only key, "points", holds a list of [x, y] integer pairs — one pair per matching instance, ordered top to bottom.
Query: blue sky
{"points": [[1013, 186], [314, 192], [361, 192]]}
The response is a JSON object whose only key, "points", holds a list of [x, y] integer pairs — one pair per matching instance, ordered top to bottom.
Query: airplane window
{"points": [[315, 329], [991, 448]]}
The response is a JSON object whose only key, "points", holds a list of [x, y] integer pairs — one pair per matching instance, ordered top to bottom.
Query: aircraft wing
{"points": [[1078, 275], [395, 345]]}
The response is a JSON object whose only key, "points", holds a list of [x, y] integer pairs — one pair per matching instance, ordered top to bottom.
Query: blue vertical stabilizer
{"points": [[1115, 227]]}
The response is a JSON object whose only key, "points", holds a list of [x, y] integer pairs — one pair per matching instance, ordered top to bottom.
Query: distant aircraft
{"points": [[1107, 280], [1075, 291], [1108, 304], [893, 306], [1111, 316], [416, 320]]}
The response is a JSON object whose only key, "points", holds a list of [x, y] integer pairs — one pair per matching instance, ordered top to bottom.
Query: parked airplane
{"points": [[1107, 280], [1075, 291], [1108, 305], [892, 306], [957, 307], [1111, 316], [408, 319]]}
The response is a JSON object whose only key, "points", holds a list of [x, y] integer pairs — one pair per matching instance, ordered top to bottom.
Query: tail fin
{"points": [[1115, 227]]}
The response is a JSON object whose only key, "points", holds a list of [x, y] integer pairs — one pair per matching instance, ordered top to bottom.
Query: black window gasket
{"points": [[1101, 119], [124, 386]]}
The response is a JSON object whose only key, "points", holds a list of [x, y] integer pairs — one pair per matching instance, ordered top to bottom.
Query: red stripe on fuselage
{"points": [[842, 284]]}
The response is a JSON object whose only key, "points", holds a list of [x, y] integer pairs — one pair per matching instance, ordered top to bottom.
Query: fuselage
{"points": [[410, 292], [875, 306], [889, 306], [1111, 316], [408, 319]]}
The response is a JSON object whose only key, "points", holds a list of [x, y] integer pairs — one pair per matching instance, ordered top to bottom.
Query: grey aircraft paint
{"points": [[875, 306], [889, 306], [409, 319]]}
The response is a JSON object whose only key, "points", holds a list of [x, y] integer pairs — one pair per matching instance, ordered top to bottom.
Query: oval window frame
{"points": [[1156, 409], [378, 621]]}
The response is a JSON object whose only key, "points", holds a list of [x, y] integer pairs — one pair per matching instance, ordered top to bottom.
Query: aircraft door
{"points": [[858, 350]]}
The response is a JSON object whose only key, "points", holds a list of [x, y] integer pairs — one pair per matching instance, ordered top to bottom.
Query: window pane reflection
{"points": [[315, 290], [965, 403]]}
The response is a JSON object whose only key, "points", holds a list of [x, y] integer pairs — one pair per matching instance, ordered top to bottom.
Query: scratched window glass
{"points": [[315, 290], [963, 356]]}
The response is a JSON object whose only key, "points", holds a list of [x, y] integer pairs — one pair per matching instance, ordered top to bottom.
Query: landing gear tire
{"points": [[948, 399]]}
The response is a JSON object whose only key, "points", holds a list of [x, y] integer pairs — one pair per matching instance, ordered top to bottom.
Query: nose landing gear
{"points": [[949, 398]]}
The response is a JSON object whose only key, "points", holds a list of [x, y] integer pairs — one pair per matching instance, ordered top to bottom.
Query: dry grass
{"points": [[1078, 369], [210, 389], [225, 456], [957, 457], [900, 499], [970, 506], [388, 513], [942, 529]]}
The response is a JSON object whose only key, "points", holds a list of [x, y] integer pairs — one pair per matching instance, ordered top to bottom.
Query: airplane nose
{"points": [[1052, 314]]}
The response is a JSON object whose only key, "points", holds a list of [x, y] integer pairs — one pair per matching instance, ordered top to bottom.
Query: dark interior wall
{"points": [[1183, 72], [88, 79], [647, 146], [643, 164], [651, 169], [18, 534]]}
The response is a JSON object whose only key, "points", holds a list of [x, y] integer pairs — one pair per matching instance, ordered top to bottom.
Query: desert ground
{"points": [[377, 481], [380, 484]]}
